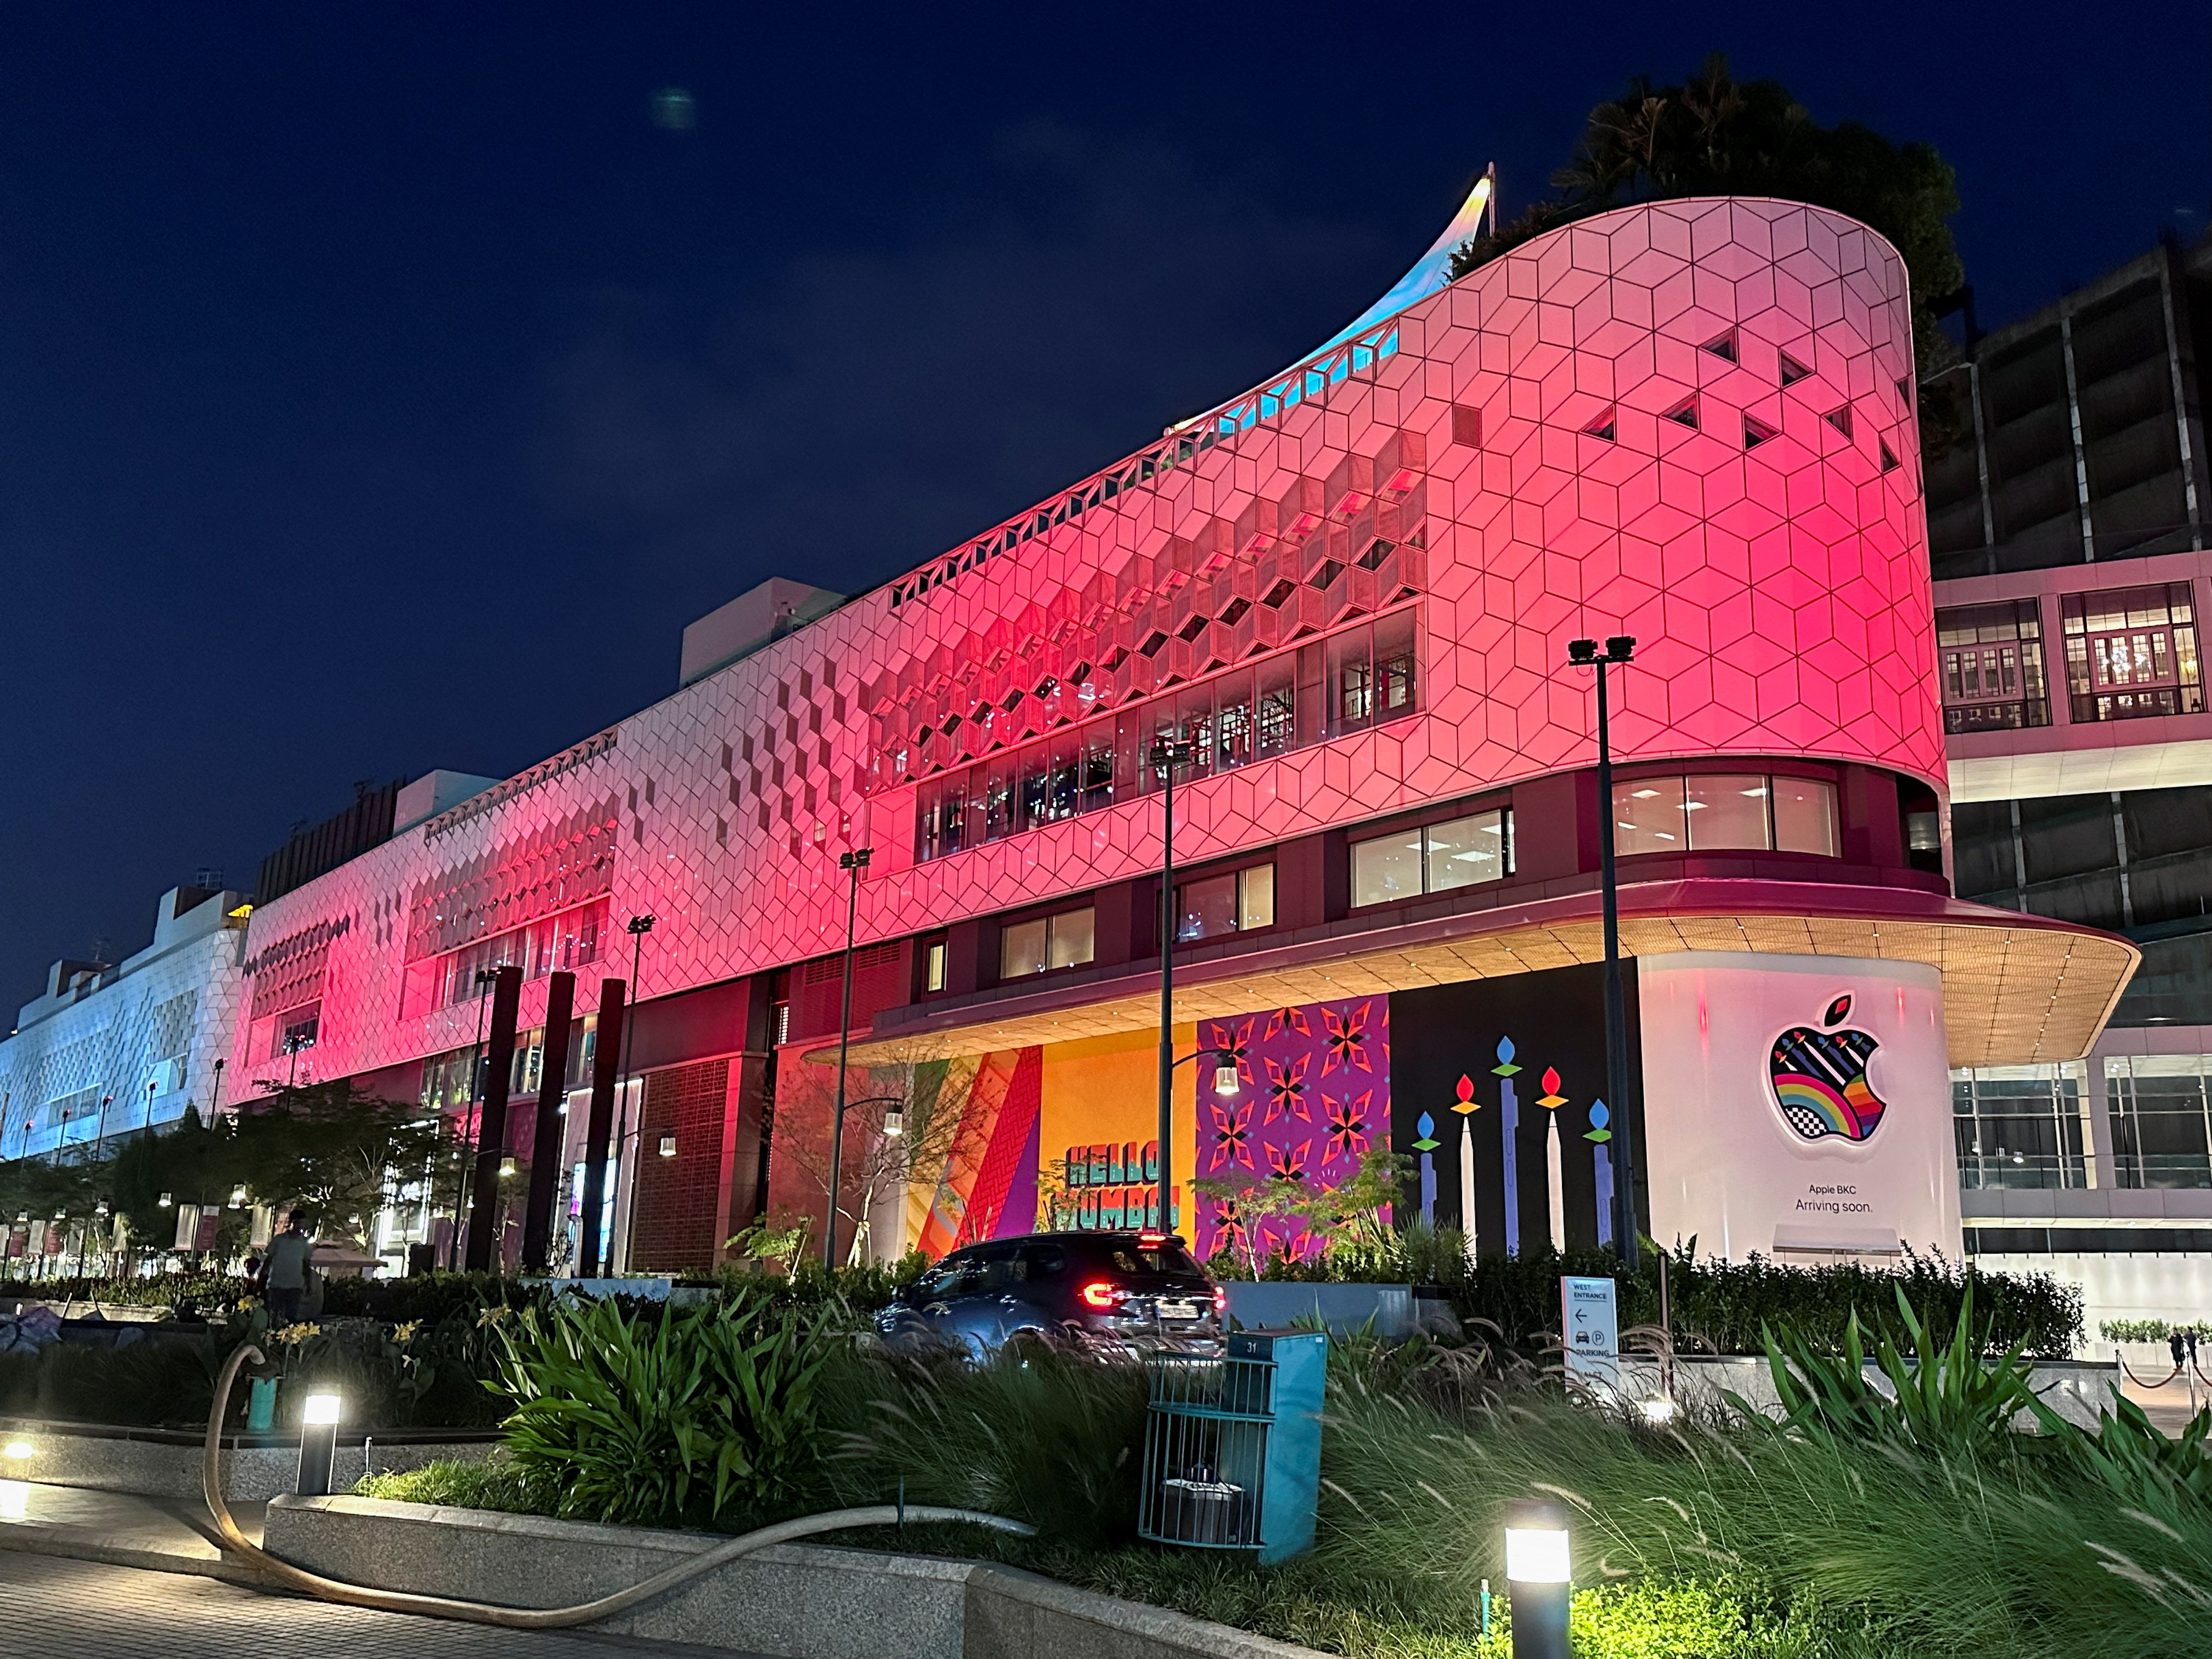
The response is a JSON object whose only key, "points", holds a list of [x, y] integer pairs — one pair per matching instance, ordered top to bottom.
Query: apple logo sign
{"points": [[1819, 1077]]}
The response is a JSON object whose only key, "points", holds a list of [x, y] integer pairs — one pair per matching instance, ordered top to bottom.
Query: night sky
{"points": [[383, 388]]}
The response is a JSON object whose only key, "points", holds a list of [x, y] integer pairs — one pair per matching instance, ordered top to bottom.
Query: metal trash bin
{"points": [[1233, 1445]]}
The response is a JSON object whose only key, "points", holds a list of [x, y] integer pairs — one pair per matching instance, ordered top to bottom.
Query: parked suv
{"points": [[1143, 1289]]}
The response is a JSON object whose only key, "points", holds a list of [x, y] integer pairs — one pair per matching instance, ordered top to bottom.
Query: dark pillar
{"points": [[599, 1127], [491, 1128], [545, 1137]]}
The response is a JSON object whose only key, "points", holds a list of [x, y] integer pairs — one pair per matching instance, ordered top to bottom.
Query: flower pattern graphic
{"points": [[1347, 1039], [1284, 1124], [1347, 1124]]}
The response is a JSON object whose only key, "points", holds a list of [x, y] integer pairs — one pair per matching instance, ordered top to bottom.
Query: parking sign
{"points": [[1589, 1327]]}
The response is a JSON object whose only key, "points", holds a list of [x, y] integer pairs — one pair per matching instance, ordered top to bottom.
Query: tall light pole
{"points": [[1620, 650], [1165, 757], [852, 863], [638, 927]]}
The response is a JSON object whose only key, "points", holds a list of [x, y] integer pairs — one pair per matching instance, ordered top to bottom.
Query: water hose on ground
{"points": [[482, 1612]]}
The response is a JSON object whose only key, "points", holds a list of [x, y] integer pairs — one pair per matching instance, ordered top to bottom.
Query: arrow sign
{"points": [[1588, 1312]]}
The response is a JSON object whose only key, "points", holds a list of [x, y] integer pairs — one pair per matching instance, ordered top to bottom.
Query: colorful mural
{"points": [[1312, 1095], [1520, 1161]]}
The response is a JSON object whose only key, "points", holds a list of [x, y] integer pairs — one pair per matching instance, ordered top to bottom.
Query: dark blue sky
{"points": [[380, 388]]}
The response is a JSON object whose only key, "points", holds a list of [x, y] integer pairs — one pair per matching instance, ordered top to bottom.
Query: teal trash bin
{"points": [[1232, 1444]]}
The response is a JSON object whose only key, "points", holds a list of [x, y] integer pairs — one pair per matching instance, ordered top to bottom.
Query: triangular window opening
{"points": [[1723, 346], [1792, 370], [1905, 391], [1684, 413], [1840, 419], [1605, 426], [1757, 432], [1888, 457]]}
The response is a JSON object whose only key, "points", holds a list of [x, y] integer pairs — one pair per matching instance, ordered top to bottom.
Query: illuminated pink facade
{"points": [[1691, 423]]}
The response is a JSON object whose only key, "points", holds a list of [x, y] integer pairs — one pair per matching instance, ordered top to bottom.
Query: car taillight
{"points": [[1152, 1241], [1100, 1294], [1220, 1298]]}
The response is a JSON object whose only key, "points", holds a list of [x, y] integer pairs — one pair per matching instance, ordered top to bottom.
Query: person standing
{"points": [[284, 1271]]}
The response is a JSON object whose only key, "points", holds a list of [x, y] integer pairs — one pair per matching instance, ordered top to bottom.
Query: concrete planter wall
{"points": [[1344, 1309], [2075, 1389], [157, 1463], [791, 1601]]}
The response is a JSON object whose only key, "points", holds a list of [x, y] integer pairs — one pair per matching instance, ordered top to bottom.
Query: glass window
{"points": [[2131, 653], [1393, 665], [1992, 666], [1363, 674], [1350, 681], [1276, 715], [1726, 811], [1648, 817], [1805, 817], [1465, 850], [1433, 859], [1387, 868], [1255, 897], [1227, 903], [1207, 908], [1073, 938], [1021, 949], [932, 965], [2161, 1108], [2020, 1126]]}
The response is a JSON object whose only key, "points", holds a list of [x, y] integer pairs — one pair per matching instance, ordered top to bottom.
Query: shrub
{"points": [[2142, 1330], [698, 1416]]}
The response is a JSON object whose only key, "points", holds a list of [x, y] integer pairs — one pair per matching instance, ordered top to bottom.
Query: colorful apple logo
{"points": [[1821, 1078]]}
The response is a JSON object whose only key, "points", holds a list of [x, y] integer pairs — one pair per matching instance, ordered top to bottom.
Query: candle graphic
{"points": [[1551, 1100], [1466, 1106], [1509, 1128], [1426, 1145], [1601, 1163]]}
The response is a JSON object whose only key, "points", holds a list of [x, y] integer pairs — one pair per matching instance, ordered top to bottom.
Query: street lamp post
{"points": [[1620, 651], [1165, 757], [852, 863], [637, 927]]}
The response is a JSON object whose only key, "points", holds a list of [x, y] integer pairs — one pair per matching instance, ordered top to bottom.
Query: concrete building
{"points": [[2068, 527], [1351, 591], [110, 1048]]}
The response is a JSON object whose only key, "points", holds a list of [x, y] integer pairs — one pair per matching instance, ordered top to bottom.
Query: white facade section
{"points": [[1723, 1033], [108, 1050]]}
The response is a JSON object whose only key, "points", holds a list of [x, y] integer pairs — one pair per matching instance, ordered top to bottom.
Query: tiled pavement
{"points": [[56, 1608]]}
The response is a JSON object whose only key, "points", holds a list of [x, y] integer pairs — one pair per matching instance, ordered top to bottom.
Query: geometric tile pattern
{"points": [[1687, 421]]}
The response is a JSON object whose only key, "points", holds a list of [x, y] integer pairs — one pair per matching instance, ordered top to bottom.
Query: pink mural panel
{"points": [[1312, 1095]]}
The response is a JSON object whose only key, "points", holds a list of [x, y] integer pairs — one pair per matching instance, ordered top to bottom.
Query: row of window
{"points": [[2128, 652], [1356, 677], [1745, 811], [1732, 812], [558, 944], [2029, 1125]]}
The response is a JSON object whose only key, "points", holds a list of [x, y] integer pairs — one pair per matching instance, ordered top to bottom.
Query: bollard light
{"points": [[1658, 1410], [318, 1443], [15, 1500], [1538, 1576]]}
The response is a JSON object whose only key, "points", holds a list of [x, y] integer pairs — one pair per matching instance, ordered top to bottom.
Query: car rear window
{"points": [[1148, 1261]]}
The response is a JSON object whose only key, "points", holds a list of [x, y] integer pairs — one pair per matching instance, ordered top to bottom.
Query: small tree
{"points": [[338, 1154], [876, 1168]]}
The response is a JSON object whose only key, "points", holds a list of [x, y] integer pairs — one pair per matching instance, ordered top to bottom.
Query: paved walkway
{"points": [[169, 1535], [53, 1607]]}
